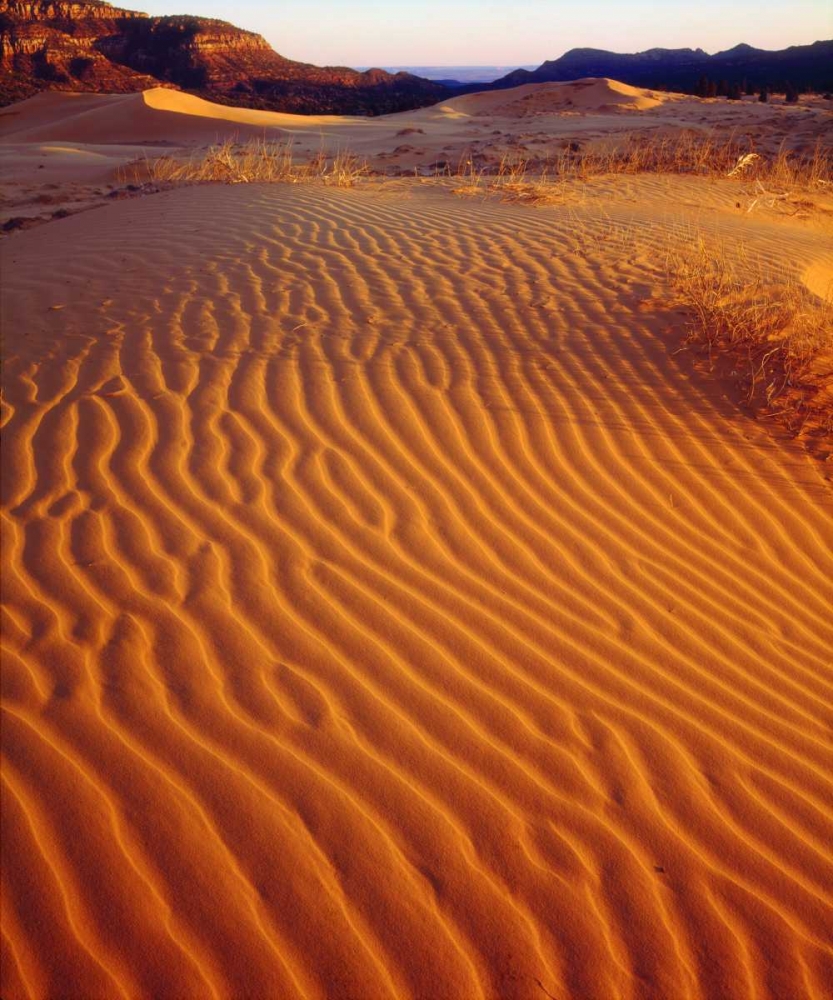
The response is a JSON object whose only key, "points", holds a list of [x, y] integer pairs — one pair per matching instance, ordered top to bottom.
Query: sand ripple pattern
{"points": [[389, 614]]}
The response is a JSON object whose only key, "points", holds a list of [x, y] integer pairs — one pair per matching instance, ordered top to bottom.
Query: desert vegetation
{"points": [[684, 153], [254, 161], [518, 177], [784, 181], [772, 334]]}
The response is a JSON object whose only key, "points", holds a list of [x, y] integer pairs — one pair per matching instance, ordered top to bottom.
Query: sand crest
{"points": [[596, 95], [154, 116]]}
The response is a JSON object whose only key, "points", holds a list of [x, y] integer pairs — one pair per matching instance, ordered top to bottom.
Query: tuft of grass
{"points": [[256, 161], [343, 170], [516, 179], [776, 335]]}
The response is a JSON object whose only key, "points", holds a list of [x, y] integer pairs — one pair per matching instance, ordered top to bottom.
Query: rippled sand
{"points": [[390, 612]]}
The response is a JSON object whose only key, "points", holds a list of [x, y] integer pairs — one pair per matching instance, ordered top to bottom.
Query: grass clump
{"points": [[706, 155], [257, 161], [515, 179], [769, 179], [773, 335]]}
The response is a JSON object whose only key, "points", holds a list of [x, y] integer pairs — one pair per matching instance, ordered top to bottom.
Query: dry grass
{"points": [[689, 152], [254, 161], [519, 178], [516, 179], [770, 180], [775, 335]]}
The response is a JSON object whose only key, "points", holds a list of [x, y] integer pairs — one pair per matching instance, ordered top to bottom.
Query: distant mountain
{"points": [[89, 45], [804, 66], [456, 76]]}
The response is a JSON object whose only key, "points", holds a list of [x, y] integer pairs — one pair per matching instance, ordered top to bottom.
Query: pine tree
{"points": [[701, 88], [735, 92], [791, 94], [763, 97]]}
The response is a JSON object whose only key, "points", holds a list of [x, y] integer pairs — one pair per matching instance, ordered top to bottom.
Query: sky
{"points": [[504, 32]]}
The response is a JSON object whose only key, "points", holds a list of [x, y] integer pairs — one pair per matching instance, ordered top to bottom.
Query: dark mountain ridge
{"points": [[802, 66]]}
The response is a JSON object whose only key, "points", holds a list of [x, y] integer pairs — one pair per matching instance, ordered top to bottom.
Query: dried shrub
{"points": [[252, 162], [777, 334]]}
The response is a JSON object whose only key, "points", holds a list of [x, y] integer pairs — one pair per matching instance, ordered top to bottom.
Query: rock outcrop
{"points": [[52, 44], [89, 45]]}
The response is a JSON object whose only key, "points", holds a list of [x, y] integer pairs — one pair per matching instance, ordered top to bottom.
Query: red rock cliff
{"points": [[93, 46]]}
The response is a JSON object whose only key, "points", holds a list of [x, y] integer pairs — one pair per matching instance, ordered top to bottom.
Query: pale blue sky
{"points": [[504, 32]]}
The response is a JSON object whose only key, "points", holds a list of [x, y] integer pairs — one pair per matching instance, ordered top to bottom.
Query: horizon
{"points": [[465, 33]]}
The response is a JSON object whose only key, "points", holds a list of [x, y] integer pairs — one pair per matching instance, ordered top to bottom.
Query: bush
{"points": [[791, 94], [763, 97]]}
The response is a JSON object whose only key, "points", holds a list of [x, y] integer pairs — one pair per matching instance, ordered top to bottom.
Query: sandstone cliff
{"points": [[54, 44], [90, 45]]}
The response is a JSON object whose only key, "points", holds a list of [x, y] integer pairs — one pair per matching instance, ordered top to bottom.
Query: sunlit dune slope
{"points": [[587, 96], [157, 115], [390, 613]]}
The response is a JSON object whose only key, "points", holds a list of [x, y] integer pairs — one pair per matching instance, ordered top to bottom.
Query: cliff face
{"points": [[52, 44], [93, 46], [192, 53]]}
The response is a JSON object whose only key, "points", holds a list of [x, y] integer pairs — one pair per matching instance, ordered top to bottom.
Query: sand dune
{"points": [[587, 96], [154, 116], [389, 613]]}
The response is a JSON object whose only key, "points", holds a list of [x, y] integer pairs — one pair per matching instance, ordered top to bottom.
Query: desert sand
{"points": [[64, 152], [391, 608]]}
